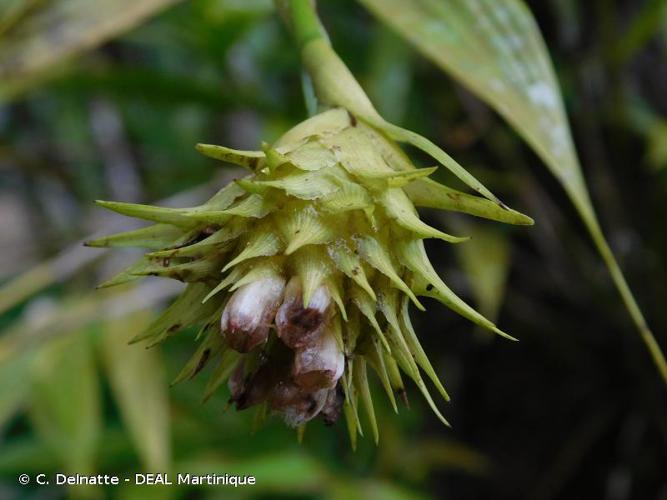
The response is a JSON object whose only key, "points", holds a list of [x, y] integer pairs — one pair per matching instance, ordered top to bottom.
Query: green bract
{"points": [[301, 273]]}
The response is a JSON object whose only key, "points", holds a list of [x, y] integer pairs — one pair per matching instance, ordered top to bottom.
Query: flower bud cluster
{"points": [[301, 274], [300, 388]]}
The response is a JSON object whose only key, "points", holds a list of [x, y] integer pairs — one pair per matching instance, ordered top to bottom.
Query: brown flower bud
{"points": [[297, 325], [320, 364], [249, 389], [296, 404]]}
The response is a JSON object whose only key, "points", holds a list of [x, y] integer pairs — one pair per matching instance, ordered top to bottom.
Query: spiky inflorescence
{"points": [[301, 273]]}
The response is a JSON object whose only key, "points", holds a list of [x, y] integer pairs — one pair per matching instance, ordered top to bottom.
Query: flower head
{"points": [[302, 273]]}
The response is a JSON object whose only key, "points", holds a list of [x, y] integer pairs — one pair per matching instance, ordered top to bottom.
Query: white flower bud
{"points": [[250, 311], [297, 325], [319, 365]]}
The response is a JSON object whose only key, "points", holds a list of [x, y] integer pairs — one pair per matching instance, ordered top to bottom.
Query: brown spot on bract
{"points": [[353, 119], [201, 235], [182, 275], [429, 287], [174, 327], [202, 362], [404, 396]]}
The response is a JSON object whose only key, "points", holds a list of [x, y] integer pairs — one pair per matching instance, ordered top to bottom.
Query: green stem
{"points": [[301, 18], [305, 24], [585, 208], [626, 294]]}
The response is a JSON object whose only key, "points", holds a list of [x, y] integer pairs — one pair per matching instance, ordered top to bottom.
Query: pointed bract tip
{"points": [[524, 220], [458, 239], [417, 303], [497, 330]]}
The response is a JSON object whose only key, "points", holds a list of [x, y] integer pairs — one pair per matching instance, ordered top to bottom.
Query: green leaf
{"points": [[495, 49], [28, 51], [138, 382], [14, 385], [65, 401]]}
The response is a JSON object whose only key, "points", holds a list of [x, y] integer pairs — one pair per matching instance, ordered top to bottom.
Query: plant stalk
{"points": [[304, 22], [626, 295]]}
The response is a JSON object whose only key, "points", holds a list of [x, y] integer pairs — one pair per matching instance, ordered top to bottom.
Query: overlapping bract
{"points": [[301, 273]]}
